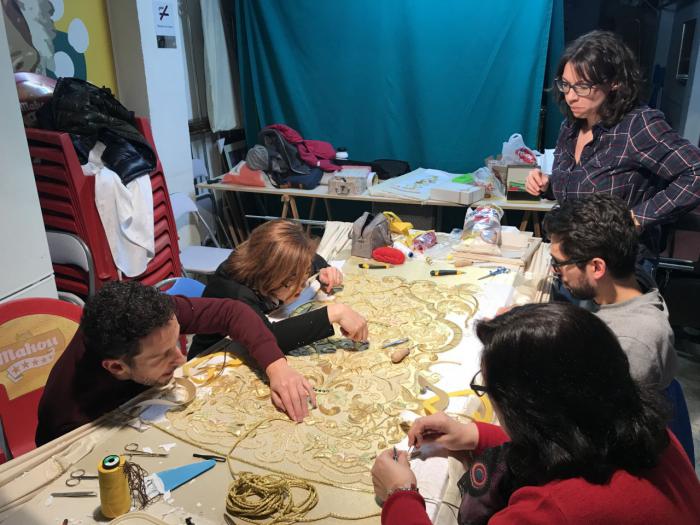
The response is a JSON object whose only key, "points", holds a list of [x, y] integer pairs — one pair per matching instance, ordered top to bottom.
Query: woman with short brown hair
{"points": [[271, 269]]}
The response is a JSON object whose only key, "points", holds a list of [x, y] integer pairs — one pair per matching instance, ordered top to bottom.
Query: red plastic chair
{"points": [[67, 199], [33, 335]]}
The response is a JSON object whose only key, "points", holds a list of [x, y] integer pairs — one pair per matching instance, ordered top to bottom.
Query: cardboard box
{"points": [[516, 176], [351, 180], [457, 193]]}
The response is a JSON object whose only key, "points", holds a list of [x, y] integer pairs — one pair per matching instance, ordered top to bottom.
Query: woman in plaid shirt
{"points": [[611, 143]]}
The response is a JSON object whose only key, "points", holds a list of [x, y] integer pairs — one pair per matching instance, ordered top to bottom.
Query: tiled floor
{"points": [[689, 377]]}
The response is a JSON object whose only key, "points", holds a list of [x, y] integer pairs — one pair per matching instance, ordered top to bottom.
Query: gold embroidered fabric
{"points": [[360, 393]]}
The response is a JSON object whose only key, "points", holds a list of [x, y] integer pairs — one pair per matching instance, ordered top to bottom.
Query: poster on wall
{"points": [[164, 20], [60, 38]]}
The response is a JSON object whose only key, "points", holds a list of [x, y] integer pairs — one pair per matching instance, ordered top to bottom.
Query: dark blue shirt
{"points": [[640, 159]]}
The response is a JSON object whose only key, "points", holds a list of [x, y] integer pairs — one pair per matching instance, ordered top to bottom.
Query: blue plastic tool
{"points": [[495, 271], [174, 477]]}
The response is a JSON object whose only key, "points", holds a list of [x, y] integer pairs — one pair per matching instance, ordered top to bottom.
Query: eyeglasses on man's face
{"points": [[582, 89], [556, 265], [477, 384]]}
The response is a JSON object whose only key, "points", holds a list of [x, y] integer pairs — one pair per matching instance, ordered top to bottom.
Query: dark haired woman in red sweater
{"points": [[580, 443]]}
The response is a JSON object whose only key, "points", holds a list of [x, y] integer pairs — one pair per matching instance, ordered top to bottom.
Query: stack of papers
{"points": [[420, 183]]}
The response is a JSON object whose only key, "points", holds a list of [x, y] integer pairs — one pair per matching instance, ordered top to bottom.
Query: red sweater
{"points": [[80, 390], [669, 494]]}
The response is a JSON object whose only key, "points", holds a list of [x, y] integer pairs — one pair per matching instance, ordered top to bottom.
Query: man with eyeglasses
{"points": [[611, 143], [594, 246], [593, 249]]}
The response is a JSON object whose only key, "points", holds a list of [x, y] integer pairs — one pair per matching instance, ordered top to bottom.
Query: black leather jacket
{"points": [[90, 114]]}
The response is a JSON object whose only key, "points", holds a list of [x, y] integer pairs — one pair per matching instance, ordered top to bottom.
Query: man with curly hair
{"points": [[128, 341]]}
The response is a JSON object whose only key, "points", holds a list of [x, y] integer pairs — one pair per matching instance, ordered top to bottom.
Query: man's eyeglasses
{"points": [[582, 89], [556, 265], [477, 384]]}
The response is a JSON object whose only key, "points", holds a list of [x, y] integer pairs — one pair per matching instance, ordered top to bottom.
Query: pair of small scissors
{"points": [[133, 449], [76, 476]]}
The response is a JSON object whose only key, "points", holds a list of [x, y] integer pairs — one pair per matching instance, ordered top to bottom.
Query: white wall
{"points": [[663, 35], [152, 82], [681, 99], [691, 124], [24, 252]]}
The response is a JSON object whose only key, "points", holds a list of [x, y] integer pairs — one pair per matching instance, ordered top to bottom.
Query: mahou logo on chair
{"points": [[30, 346], [34, 352]]}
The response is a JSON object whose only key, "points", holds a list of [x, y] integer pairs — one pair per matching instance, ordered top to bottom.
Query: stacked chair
{"points": [[67, 199]]}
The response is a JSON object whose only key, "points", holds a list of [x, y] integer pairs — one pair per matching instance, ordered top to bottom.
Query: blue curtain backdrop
{"points": [[438, 84], [554, 116]]}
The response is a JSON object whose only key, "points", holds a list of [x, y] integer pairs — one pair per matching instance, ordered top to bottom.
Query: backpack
{"points": [[285, 167]]}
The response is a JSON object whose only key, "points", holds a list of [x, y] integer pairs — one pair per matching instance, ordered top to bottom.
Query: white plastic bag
{"points": [[516, 152], [484, 178], [482, 230]]}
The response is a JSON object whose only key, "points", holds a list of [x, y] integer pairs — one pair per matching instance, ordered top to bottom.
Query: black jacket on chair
{"points": [[90, 114]]}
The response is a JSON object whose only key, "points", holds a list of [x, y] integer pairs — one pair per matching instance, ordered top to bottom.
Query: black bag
{"points": [[285, 168], [384, 168]]}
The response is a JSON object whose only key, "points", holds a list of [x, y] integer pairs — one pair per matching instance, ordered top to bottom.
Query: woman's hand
{"points": [[536, 182], [637, 225], [330, 277], [352, 324], [290, 391], [443, 430], [389, 475]]}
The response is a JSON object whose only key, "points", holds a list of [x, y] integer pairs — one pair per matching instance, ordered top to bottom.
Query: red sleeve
{"points": [[230, 317], [489, 436], [530, 506], [405, 507]]}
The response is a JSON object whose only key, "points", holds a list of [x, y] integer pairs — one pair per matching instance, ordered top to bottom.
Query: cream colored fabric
{"points": [[335, 238], [21, 478], [24, 498]]}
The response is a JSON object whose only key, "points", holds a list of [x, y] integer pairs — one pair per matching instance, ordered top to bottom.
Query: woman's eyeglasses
{"points": [[582, 89], [477, 384]]}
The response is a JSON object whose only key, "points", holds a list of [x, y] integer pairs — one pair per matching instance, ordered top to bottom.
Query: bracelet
{"points": [[411, 488]]}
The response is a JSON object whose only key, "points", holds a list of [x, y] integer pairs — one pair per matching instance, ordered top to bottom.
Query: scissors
{"points": [[132, 449], [76, 476]]}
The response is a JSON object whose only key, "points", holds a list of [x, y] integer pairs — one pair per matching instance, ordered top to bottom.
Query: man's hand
{"points": [[536, 182], [330, 277], [352, 324], [290, 391], [443, 430], [388, 475]]}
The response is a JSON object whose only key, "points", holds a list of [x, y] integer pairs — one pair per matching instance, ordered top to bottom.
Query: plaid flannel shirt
{"points": [[640, 159]]}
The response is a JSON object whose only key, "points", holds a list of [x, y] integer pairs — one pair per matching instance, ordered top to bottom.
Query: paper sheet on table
{"points": [[415, 185]]}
